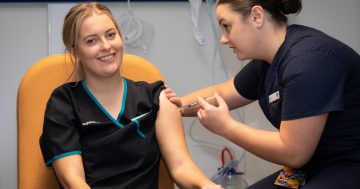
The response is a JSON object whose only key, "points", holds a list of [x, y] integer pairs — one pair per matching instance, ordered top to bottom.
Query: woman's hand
{"points": [[171, 95], [214, 118]]}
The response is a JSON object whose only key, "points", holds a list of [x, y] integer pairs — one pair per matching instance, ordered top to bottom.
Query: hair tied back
{"points": [[289, 6]]}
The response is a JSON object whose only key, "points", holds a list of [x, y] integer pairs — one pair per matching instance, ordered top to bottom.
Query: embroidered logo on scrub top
{"points": [[274, 97], [88, 123]]}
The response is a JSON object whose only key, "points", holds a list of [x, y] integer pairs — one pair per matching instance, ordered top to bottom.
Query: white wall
{"points": [[340, 19], [23, 40], [185, 65]]}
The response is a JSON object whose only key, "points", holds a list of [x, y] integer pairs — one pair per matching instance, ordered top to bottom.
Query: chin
{"points": [[241, 57]]}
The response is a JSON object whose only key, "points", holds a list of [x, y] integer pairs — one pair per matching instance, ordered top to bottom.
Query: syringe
{"points": [[195, 103]]}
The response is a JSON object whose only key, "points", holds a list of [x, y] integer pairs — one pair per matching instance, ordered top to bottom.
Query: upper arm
{"points": [[313, 84], [244, 87], [313, 87], [231, 96], [170, 133], [60, 136], [302, 136], [60, 143]]}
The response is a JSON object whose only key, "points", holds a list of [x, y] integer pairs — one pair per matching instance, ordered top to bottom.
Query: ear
{"points": [[257, 16]]}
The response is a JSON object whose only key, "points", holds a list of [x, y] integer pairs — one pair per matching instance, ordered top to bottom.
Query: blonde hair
{"points": [[71, 29]]}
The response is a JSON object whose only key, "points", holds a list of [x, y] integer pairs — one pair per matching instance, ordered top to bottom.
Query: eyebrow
{"points": [[110, 30], [93, 35]]}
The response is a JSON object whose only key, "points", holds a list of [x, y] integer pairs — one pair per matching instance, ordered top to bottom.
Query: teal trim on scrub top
{"points": [[123, 100], [116, 122], [138, 128], [62, 155]]}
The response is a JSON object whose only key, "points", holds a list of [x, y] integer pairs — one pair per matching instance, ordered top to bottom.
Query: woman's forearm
{"points": [[70, 172], [188, 176], [74, 183]]}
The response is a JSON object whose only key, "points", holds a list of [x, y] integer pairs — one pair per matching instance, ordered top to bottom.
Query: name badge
{"points": [[274, 97]]}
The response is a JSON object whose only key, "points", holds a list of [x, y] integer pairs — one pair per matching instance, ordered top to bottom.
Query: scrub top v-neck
{"points": [[117, 120], [117, 153]]}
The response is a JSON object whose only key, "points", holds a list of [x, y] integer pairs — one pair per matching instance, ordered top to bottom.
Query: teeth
{"points": [[106, 58]]}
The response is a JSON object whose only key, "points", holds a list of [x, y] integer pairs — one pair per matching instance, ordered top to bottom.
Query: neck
{"points": [[275, 36], [104, 86], [109, 93]]}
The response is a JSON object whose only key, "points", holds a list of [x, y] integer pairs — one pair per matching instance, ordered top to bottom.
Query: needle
{"points": [[196, 103]]}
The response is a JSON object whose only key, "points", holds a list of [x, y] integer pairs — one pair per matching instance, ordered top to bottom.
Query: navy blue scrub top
{"points": [[311, 74], [117, 152]]}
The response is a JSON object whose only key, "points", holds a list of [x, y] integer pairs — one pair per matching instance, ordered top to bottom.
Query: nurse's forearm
{"points": [[225, 89], [189, 102], [192, 108], [267, 145]]}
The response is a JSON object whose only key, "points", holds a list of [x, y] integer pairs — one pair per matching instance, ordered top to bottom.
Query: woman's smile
{"points": [[107, 58]]}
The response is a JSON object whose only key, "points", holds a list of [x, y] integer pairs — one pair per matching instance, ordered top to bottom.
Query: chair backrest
{"points": [[33, 93]]}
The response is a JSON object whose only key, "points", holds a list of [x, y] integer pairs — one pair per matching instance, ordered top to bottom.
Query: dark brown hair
{"points": [[278, 9]]}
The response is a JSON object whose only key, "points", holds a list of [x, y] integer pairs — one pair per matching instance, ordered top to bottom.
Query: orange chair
{"points": [[33, 93]]}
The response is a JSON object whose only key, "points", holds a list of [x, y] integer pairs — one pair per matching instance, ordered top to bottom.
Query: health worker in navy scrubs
{"points": [[308, 86], [106, 131]]}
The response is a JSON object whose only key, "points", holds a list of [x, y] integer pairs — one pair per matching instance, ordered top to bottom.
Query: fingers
{"points": [[168, 91], [171, 95], [177, 101], [220, 101], [210, 102], [203, 103], [199, 114], [213, 187]]}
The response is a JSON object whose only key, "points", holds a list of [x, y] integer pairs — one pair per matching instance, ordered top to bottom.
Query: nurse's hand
{"points": [[171, 95], [214, 118], [212, 187]]}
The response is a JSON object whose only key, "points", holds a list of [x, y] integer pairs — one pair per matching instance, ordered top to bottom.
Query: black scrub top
{"points": [[311, 74], [117, 152]]}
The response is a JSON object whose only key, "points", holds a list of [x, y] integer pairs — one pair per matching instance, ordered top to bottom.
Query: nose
{"points": [[224, 40], [105, 44]]}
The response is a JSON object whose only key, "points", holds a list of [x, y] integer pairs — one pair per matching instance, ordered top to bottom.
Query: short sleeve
{"points": [[248, 81], [313, 84], [156, 89], [60, 136]]}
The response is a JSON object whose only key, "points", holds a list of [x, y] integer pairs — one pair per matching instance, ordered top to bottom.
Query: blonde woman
{"points": [[106, 131]]}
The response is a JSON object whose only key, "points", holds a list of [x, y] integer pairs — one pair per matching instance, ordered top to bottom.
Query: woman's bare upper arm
{"points": [[170, 133]]}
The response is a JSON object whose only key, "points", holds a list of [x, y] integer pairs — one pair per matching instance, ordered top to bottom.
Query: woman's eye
{"points": [[226, 27], [111, 35], [91, 41]]}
